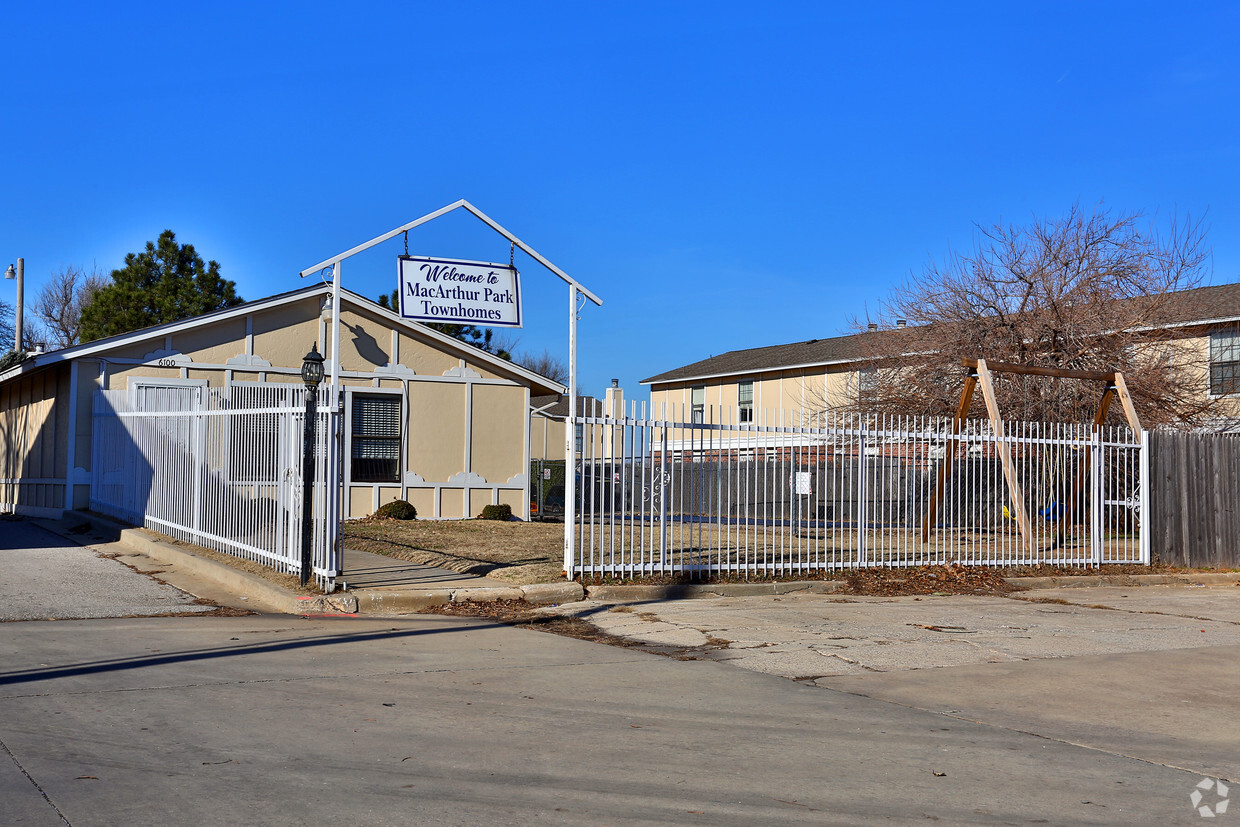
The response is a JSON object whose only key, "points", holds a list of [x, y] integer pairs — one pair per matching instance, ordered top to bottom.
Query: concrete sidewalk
{"points": [[376, 584]]}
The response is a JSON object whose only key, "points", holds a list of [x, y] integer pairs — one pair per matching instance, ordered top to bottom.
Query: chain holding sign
{"points": [[459, 292]]}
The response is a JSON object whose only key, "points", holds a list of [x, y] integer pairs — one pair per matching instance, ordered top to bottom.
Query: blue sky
{"points": [[724, 175]]}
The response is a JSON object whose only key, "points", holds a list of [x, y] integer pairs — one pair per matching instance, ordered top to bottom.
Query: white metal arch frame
{"points": [[575, 288]]}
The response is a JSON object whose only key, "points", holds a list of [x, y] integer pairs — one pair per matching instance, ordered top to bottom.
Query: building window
{"points": [[1225, 362], [867, 385], [698, 400], [744, 400], [580, 435], [376, 439]]}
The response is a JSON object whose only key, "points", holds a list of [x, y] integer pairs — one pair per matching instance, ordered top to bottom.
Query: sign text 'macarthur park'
{"points": [[459, 292]]}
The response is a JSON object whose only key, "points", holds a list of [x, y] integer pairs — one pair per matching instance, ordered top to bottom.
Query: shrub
{"points": [[396, 510], [496, 512]]}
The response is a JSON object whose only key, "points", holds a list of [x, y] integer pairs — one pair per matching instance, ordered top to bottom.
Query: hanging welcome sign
{"points": [[459, 292]]}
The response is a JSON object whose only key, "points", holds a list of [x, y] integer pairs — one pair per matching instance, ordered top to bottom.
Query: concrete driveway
{"points": [[42, 577], [1151, 672]]}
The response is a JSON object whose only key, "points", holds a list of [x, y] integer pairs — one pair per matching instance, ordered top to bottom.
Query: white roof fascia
{"points": [[1199, 323], [169, 328], [754, 372]]}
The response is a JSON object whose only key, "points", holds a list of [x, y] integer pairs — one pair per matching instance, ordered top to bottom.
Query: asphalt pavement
{"points": [[1092, 708], [441, 720]]}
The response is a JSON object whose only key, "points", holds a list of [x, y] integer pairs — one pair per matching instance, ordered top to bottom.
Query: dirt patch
{"points": [[519, 553], [940, 580], [525, 615]]}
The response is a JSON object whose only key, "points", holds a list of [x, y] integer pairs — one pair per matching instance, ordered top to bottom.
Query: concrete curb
{"points": [[1088, 580], [238, 582], [681, 591], [620, 593], [275, 598], [404, 601]]}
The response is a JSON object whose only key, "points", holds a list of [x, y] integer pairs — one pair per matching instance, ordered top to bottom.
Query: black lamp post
{"points": [[312, 375]]}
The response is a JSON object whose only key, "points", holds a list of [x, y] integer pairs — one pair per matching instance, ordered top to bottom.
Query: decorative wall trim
{"points": [[174, 356], [248, 360], [396, 370], [468, 479]]}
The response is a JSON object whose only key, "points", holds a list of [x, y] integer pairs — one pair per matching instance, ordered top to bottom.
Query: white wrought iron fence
{"points": [[221, 468], [779, 497]]}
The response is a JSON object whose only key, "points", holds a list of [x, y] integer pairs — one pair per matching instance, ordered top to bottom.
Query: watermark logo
{"points": [[1209, 798]]}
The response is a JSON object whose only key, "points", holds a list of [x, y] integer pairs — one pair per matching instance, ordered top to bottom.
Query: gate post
{"points": [[1095, 497], [1143, 501], [862, 509]]}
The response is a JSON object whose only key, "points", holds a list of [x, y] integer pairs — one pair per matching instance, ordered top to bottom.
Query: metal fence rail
{"points": [[219, 467], [774, 497]]}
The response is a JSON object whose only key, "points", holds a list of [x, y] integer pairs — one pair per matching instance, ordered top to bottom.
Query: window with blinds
{"points": [[376, 439]]}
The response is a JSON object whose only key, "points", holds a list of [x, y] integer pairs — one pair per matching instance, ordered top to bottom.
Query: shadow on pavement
{"points": [[124, 664]]}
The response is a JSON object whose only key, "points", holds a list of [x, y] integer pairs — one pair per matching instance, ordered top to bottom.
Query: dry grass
{"points": [[514, 552], [522, 553]]}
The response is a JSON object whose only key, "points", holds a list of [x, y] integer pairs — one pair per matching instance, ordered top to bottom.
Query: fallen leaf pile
{"points": [[950, 579]]}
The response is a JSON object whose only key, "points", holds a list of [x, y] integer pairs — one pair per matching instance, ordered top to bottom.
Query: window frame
{"points": [[1217, 357], [387, 394], [697, 404], [744, 406]]}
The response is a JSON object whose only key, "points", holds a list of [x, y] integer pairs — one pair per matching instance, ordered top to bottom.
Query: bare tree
{"points": [[1090, 291], [60, 302], [7, 338], [545, 364]]}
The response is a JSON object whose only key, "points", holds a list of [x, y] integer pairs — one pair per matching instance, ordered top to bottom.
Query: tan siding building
{"points": [[784, 382], [462, 415]]}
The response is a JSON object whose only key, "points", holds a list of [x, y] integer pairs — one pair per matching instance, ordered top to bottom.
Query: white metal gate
{"points": [[221, 468], [778, 497]]}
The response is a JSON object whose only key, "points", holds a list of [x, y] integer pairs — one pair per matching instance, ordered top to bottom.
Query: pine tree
{"points": [[165, 283]]}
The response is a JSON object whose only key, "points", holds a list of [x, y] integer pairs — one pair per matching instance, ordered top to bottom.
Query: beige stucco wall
{"points": [[436, 430], [546, 437], [497, 444]]}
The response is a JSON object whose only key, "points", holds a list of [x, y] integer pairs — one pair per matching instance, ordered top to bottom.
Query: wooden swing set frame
{"points": [[980, 373]]}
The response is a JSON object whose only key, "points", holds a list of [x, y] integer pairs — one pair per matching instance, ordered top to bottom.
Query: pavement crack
{"points": [[1063, 602], [957, 716], [30, 778]]}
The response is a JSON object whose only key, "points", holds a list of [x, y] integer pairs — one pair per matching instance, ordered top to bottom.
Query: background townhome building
{"points": [[1198, 338]]}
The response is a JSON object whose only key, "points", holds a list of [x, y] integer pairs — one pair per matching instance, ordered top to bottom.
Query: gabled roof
{"points": [[1199, 306], [815, 352], [37, 361], [556, 406]]}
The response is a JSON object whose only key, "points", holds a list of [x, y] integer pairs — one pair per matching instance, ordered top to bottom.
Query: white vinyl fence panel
{"points": [[221, 468], [773, 497]]}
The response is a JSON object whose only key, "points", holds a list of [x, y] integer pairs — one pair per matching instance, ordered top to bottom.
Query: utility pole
{"points": [[20, 274]]}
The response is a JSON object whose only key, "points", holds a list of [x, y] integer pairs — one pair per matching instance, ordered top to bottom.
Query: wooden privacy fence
{"points": [[1195, 501]]}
